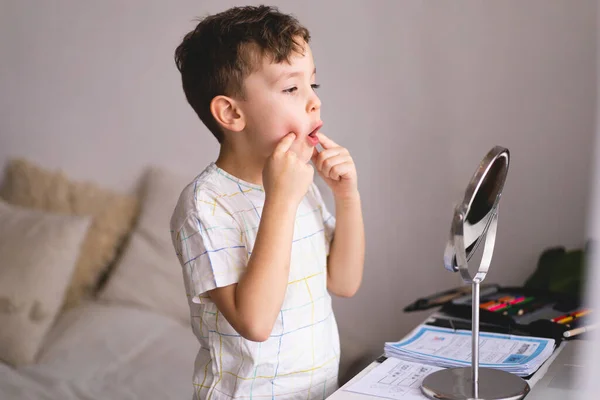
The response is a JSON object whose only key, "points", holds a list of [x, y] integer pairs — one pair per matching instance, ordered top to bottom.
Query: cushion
{"points": [[112, 214], [38, 253], [148, 274], [107, 352]]}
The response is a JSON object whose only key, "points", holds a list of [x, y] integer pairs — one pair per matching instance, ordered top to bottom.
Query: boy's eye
{"points": [[314, 86]]}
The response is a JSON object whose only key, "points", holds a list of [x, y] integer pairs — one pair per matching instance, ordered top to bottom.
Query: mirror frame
{"points": [[463, 243]]}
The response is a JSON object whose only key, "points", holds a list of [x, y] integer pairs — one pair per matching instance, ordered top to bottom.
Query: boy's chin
{"points": [[303, 153], [305, 156]]}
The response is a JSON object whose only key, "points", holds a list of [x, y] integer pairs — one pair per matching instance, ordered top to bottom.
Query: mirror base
{"points": [[457, 384]]}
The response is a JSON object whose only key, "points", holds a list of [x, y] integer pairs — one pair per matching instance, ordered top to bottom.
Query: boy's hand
{"points": [[336, 167], [284, 175]]}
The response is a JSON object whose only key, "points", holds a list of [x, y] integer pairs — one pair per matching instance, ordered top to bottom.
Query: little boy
{"points": [[260, 252]]}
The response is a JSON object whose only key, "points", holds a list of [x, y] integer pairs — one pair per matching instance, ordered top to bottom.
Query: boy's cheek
{"points": [[283, 131], [277, 133], [270, 143], [296, 146]]}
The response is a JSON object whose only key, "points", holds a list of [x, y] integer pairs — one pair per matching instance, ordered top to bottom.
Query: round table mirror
{"points": [[474, 223]]}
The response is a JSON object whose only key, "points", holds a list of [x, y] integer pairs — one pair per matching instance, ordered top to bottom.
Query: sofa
{"points": [[99, 268]]}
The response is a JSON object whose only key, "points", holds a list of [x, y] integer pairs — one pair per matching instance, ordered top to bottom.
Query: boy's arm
{"points": [[346, 256], [252, 305]]}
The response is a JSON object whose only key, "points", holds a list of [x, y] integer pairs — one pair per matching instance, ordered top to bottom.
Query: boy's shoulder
{"points": [[206, 188], [214, 192]]}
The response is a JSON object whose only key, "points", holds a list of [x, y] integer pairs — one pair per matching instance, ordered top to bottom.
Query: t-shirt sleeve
{"points": [[328, 218], [211, 251]]}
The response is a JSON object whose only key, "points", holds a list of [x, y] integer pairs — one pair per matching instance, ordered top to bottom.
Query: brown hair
{"points": [[224, 48]]}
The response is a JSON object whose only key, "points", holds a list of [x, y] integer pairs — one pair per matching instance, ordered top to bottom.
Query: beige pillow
{"points": [[113, 214], [38, 252], [149, 275]]}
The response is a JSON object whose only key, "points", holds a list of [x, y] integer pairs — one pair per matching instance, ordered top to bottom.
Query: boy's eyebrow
{"points": [[292, 74]]}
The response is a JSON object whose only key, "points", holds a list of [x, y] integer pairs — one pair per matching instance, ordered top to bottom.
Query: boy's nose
{"points": [[314, 103]]}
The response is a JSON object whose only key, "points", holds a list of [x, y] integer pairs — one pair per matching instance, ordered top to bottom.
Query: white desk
{"points": [[341, 394]]}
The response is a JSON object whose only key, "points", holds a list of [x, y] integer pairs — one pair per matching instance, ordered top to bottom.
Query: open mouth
{"points": [[313, 134]]}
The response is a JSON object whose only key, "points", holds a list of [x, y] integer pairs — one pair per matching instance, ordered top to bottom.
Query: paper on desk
{"points": [[449, 348], [394, 379]]}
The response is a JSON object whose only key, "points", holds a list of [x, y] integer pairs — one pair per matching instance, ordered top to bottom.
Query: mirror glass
{"points": [[479, 206]]}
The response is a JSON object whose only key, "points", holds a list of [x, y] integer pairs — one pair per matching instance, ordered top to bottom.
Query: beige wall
{"points": [[418, 91]]}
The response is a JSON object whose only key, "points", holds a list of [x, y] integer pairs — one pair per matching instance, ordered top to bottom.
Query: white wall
{"points": [[418, 91], [589, 355]]}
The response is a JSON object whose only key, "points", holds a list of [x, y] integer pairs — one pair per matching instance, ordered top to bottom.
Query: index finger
{"points": [[326, 142], [285, 143]]}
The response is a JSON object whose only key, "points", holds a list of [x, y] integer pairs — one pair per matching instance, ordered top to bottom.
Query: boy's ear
{"points": [[227, 113]]}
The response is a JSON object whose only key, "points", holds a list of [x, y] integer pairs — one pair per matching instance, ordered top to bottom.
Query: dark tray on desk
{"points": [[535, 321]]}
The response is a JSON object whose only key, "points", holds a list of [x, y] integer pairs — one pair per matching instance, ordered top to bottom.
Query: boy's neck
{"points": [[242, 166]]}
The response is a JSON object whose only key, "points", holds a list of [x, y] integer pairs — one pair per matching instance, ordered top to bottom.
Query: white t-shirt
{"points": [[214, 227]]}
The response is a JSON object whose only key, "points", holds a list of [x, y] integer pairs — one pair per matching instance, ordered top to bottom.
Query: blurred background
{"points": [[417, 91]]}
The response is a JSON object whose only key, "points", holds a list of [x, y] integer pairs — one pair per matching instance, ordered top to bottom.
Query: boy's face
{"points": [[281, 98]]}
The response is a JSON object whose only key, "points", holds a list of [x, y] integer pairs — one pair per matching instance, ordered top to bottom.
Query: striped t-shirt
{"points": [[214, 227]]}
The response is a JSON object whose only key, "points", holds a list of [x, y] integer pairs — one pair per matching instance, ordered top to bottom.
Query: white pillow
{"points": [[38, 253], [149, 275]]}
